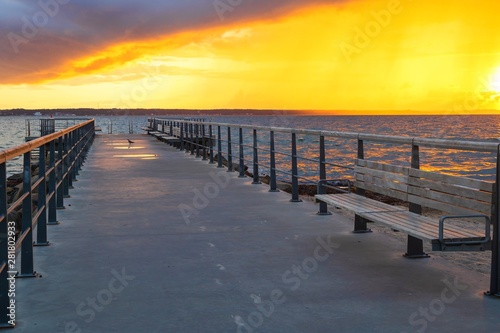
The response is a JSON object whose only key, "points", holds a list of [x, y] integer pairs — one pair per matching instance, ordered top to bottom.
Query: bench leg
{"points": [[323, 209], [360, 225], [415, 249], [495, 265]]}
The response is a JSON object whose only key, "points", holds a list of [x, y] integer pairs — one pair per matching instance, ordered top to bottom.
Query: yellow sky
{"points": [[360, 55]]}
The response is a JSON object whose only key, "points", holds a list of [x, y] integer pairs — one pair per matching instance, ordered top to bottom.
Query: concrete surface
{"points": [[155, 240]]}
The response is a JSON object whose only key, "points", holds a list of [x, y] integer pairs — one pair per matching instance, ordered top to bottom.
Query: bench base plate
{"points": [[416, 256]]}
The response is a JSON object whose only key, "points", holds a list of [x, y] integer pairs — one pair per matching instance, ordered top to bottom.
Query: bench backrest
{"points": [[451, 194]]}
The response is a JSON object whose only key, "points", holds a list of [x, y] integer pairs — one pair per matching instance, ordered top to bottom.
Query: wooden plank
{"points": [[382, 166], [389, 176], [462, 181], [381, 182], [383, 190], [466, 192], [444, 200], [356, 203], [455, 210], [429, 225], [408, 226], [420, 226], [450, 230]]}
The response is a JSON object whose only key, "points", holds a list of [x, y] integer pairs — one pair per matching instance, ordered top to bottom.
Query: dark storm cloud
{"points": [[38, 36]]}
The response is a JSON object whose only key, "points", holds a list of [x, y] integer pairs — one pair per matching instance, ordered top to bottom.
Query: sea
{"points": [[478, 165]]}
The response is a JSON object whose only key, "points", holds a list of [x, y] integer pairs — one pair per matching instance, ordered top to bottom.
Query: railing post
{"points": [[191, 130], [84, 133], [186, 135], [182, 136], [197, 142], [203, 142], [211, 143], [78, 147], [219, 148], [79, 151], [229, 151], [242, 154], [361, 156], [72, 157], [68, 162], [415, 164], [65, 167], [295, 172], [60, 175], [256, 178], [272, 181], [52, 185], [323, 207], [27, 222], [360, 222], [41, 229], [415, 246], [495, 246], [4, 249]]}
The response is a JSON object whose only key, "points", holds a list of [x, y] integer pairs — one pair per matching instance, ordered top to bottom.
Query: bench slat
{"points": [[382, 166], [392, 177], [462, 181], [385, 182], [383, 190], [466, 192], [450, 201], [356, 203], [455, 210], [428, 225], [420, 226], [412, 227]]}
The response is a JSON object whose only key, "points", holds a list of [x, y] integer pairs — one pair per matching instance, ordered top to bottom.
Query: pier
{"points": [[154, 239]]}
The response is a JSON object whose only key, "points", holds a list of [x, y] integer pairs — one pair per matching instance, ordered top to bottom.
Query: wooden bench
{"points": [[171, 140], [462, 198]]}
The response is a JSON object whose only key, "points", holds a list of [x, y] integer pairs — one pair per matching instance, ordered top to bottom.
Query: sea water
{"points": [[470, 164]]}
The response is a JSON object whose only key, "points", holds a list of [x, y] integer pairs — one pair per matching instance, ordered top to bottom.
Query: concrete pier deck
{"points": [[155, 240]]}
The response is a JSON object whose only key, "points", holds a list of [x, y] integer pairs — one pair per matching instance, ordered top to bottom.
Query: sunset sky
{"points": [[400, 56]]}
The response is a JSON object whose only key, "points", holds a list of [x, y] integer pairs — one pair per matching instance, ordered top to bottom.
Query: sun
{"points": [[495, 81]]}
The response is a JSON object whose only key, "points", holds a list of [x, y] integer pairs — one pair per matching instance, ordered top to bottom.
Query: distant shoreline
{"points": [[230, 112]]}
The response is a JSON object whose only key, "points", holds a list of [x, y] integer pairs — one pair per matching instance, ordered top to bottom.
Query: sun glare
{"points": [[495, 81]]}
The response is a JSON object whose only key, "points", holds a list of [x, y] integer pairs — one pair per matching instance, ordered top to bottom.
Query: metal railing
{"points": [[42, 126], [204, 139], [61, 156], [319, 158]]}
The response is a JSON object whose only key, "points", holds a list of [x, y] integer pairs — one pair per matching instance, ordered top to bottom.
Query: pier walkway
{"points": [[155, 240]]}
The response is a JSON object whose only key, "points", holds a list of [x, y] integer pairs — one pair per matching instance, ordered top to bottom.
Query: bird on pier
{"points": [[130, 141]]}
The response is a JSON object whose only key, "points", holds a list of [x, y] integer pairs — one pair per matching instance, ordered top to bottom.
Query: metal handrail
{"points": [[483, 146], [10, 153], [58, 168]]}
